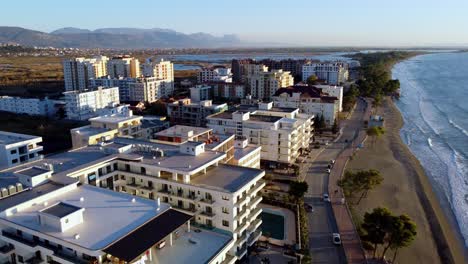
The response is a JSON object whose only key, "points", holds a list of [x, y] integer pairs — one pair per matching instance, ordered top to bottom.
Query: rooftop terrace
{"points": [[7, 138]]}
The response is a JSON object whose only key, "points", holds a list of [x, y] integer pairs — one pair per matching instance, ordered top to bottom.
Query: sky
{"points": [[294, 22]]}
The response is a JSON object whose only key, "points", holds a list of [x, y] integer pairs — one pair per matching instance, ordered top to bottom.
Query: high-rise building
{"points": [[123, 66], [78, 71], [332, 73], [215, 74], [263, 84], [186, 112], [16, 149]]}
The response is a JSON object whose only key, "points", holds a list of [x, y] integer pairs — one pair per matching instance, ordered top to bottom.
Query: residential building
{"points": [[290, 65], [123, 66], [238, 69], [77, 71], [163, 71], [332, 73], [215, 74], [263, 84], [143, 89], [333, 90], [209, 91], [201, 93], [310, 100], [83, 105], [30, 106], [186, 112], [151, 125], [105, 128], [282, 133], [16, 149], [246, 155], [213, 206]]}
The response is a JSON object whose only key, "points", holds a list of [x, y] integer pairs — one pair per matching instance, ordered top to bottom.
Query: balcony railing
{"points": [[209, 214], [254, 237], [6, 249], [34, 260]]}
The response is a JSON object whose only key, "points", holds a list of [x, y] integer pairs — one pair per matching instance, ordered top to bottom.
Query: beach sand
{"points": [[407, 190]]}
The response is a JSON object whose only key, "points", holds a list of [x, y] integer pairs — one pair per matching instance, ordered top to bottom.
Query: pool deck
{"points": [[289, 224]]}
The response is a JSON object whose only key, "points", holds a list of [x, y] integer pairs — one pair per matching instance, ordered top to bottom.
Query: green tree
{"points": [[312, 80], [157, 108], [335, 127], [375, 132], [361, 181], [298, 189], [375, 226], [402, 234]]}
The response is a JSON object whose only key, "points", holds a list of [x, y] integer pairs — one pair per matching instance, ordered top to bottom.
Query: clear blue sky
{"points": [[304, 22]]}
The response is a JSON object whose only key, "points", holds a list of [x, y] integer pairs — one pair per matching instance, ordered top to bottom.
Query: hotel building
{"points": [[77, 71], [333, 73]]}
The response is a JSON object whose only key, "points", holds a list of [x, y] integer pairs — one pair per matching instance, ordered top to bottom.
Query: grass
{"points": [[30, 68], [55, 133]]}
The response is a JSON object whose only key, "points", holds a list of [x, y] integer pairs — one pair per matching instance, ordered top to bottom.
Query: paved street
{"points": [[322, 221]]}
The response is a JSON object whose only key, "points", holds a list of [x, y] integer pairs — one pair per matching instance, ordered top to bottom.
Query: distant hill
{"points": [[119, 38]]}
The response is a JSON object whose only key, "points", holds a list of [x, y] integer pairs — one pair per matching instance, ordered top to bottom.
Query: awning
{"points": [[137, 242]]}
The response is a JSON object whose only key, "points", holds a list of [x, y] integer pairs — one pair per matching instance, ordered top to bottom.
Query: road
{"points": [[322, 222]]}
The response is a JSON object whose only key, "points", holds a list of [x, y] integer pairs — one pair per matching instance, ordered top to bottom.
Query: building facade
{"points": [[123, 66], [77, 71], [333, 73], [215, 74], [263, 84], [83, 105], [29, 106], [186, 112], [16, 149]]}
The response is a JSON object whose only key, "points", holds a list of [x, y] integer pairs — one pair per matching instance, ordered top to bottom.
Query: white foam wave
{"points": [[455, 125], [429, 141]]}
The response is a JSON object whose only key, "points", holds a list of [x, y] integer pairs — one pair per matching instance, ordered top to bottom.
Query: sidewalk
{"points": [[349, 236]]}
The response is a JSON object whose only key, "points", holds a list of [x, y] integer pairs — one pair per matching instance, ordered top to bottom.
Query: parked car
{"points": [[332, 161], [328, 171], [308, 207], [336, 239]]}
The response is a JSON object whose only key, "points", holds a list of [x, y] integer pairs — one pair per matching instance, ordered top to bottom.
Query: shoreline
{"points": [[407, 190]]}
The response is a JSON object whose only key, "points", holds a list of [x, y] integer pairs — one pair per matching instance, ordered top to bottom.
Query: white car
{"points": [[332, 161], [328, 171], [326, 198], [336, 239]]}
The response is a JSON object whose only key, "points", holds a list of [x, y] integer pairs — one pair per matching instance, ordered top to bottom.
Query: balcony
{"points": [[258, 186], [207, 201], [242, 201], [255, 201], [184, 209], [208, 214], [242, 214], [254, 214], [255, 224], [254, 237], [18, 239], [241, 239], [241, 251], [64, 258], [229, 259], [34, 260]]}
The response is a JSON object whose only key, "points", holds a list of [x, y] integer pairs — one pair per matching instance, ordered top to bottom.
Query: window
{"points": [[13, 151], [14, 161], [116, 166], [225, 198], [225, 210], [66, 221], [226, 223], [20, 259]]}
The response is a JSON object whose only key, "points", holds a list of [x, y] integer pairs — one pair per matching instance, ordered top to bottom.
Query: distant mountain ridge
{"points": [[118, 38]]}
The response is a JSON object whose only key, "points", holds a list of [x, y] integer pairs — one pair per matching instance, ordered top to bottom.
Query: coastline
{"points": [[407, 190]]}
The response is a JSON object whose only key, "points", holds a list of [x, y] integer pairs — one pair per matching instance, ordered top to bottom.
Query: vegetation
{"points": [[312, 80], [350, 97], [157, 108], [319, 123], [335, 127], [375, 132], [55, 133], [360, 182], [298, 189], [381, 227]]}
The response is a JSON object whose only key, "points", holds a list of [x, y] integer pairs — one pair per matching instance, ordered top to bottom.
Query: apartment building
{"points": [[290, 65], [123, 66], [159, 68], [238, 69], [77, 71], [332, 73], [215, 74], [263, 84], [209, 91], [335, 91], [201, 93], [310, 100], [83, 105], [30, 106], [186, 112], [150, 125], [105, 128], [282, 133], [16, 149], [221, 202], [51, 219]]}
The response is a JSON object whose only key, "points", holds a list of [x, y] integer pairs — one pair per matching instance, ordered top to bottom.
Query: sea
{"points": [[434, 106]]}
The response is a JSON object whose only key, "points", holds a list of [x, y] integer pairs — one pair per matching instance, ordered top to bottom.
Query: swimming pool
{"points": [[272, 225]]}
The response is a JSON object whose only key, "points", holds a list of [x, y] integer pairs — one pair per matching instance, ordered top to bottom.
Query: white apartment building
{"points": [[123, 66], [159, 68], [78, 71], [333, 73], [215, 74], [263, 84], [228, 90], [333, 90], [201, 93], [310, 100], [83, 105], [29, 106], [282, 133], [16, 149], [217, 202]]}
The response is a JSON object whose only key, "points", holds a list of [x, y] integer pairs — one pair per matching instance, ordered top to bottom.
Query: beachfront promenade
{"points": [[334, 217]]}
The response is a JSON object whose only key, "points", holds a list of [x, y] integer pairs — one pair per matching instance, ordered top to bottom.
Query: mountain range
{"points": [[117, 38]]}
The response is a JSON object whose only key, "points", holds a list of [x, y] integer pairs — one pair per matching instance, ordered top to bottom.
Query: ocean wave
{"points": [[455, 125], [429, 142]]}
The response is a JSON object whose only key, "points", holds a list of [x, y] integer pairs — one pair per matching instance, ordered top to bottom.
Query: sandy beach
{"points": [[407, 190]]}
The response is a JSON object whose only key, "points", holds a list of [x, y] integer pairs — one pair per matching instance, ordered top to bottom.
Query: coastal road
{"points": [[322, 222]]}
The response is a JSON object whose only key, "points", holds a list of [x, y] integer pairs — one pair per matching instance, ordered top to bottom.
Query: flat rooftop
{"points": [[280, 109], [223, 115], [114, 118], [264, 118], [90, 131], [181, 131], [7, 138], [217, 140], [239, 153], [33, 171], [226, 178], [60, 210], [108, 216], [197, 246]]}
